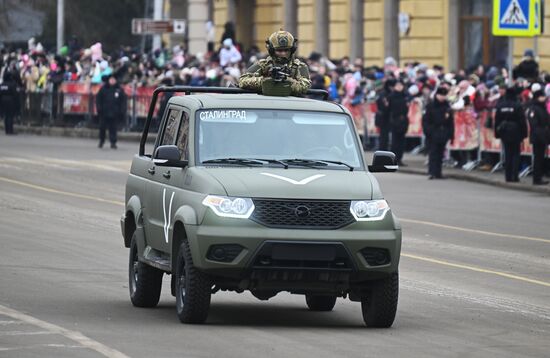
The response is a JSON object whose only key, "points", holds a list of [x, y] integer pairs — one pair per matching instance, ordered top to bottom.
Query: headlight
{"points": [[230, 207], [369, 210]]}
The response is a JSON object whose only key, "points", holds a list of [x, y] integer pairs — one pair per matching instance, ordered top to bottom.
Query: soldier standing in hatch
{"points": [[281, 46], [111, 108]]}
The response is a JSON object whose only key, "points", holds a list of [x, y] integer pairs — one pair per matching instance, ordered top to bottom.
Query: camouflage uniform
{"points": [[298, 73]]}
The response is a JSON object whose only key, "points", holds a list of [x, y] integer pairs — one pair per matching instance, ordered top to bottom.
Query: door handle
{"points": [[151, 170], [166, 175]]}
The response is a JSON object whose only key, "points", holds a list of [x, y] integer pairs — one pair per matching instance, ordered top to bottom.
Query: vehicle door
{"points": [[166, 182]]}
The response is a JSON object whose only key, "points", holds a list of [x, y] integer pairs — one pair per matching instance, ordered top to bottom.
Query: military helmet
{"points": [[281, 40]]}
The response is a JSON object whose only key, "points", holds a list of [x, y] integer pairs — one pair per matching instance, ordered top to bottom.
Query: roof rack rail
{"points": [[191, 89]]}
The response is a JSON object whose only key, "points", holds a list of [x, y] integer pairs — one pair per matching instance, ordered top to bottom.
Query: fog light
{"points": [[224, 252], [376, 256]]}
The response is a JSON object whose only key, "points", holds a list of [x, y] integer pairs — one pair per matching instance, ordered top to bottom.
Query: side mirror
{"points": [[168, 156], [383, 162]]}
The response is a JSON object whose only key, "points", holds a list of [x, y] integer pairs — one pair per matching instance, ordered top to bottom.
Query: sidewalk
{"points": [[415, 162]]}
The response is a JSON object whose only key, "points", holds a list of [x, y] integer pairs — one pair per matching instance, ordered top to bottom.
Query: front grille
{"points": [[302, 214]]}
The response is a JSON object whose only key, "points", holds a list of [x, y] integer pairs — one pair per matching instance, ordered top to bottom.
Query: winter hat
{"points": [[228, 42], [528, 53], [535, 87]]}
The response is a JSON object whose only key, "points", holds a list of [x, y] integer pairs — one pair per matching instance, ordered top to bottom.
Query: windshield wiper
{"points": [[238, 161], [272, 161], [315, 162]]}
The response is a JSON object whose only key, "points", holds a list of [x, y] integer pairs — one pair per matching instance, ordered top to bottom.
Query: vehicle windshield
{"points": [[279, 135]]}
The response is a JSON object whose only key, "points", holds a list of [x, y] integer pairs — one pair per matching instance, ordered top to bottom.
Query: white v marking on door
{"points": [[292, 181], [167, 218]]}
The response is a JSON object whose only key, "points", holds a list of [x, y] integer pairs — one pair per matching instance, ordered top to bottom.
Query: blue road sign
{"points": [[516, 17]]}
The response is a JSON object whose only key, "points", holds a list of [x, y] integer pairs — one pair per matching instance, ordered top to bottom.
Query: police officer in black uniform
{"points": [[9, 101], [111, 108], [382, 118], [399, 120], [439, 126], [511, 128], [540, 132]]}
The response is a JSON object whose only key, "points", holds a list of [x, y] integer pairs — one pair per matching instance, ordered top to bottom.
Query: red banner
{"points": [[466, 131]]}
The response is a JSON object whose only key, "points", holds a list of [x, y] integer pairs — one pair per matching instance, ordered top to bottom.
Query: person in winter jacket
{"points": [[229, 54], [528, 68], [9, 101], [111, 108], [382, 118], [399, 120], [539, 121], [439, 127], [511, 128]]}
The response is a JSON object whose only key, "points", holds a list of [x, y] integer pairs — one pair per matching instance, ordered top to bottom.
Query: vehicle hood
{"points": [[294, 183]]}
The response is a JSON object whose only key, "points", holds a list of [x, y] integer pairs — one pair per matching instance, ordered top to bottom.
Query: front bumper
{"points": [[252, 237]]}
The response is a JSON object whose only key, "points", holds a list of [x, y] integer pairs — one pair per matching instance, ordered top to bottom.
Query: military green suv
{"points": [[268, 194]]}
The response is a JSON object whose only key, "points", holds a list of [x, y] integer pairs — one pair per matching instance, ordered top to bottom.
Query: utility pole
{"points": [[157, 15], [60, 24]]}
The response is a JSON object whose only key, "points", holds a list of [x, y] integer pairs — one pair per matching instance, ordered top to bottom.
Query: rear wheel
{"points": [[145, 282], [193, 289], [320, 303], [380, 305]]}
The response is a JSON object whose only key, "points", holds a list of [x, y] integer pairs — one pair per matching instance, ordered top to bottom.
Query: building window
{"points": [[477, 45]]}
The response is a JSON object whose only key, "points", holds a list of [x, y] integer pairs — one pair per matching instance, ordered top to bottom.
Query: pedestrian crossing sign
{"points": [[517, 17]]}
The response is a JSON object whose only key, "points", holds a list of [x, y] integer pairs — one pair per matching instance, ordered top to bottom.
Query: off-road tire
{"points": [[144, 281], [193, 303], [320, 303], [380, 306]]}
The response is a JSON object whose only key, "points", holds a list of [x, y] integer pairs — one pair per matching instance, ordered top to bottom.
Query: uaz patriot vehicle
{"points": [[267, 194]]}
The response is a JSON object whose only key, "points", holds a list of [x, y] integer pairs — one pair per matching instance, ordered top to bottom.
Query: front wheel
{"points": [[145, 282], [193, 289], [320, 303], [380, 305]]}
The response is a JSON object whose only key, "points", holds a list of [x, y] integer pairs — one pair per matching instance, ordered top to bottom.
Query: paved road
{"points": [[475, 273]]}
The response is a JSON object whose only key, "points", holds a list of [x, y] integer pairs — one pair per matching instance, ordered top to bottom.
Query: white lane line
{"points": [[495, 302], [5, 323], [25, 333], [72, 335], [34, 346]]}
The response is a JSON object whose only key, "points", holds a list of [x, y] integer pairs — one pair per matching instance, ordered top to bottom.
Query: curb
{"points": [[72, 132], [481, 180]]}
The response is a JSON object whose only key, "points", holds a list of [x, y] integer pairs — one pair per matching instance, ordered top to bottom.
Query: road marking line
{"points": [[55, 191], [518, 237], [477, 269], [24, 333], [72, 335], [34, 346]]}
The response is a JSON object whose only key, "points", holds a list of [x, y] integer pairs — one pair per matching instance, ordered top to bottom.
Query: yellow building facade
{"points": [[451, 33]]}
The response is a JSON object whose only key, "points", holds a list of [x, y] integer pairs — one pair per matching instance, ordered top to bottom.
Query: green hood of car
{"points": [[294, 183]]}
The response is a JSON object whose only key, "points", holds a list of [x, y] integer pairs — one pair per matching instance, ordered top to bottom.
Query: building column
{"points": [[232, 11], [291, 16], [196, 25], [321, 27], [356, 29], [391, 29], [453, 36]]}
